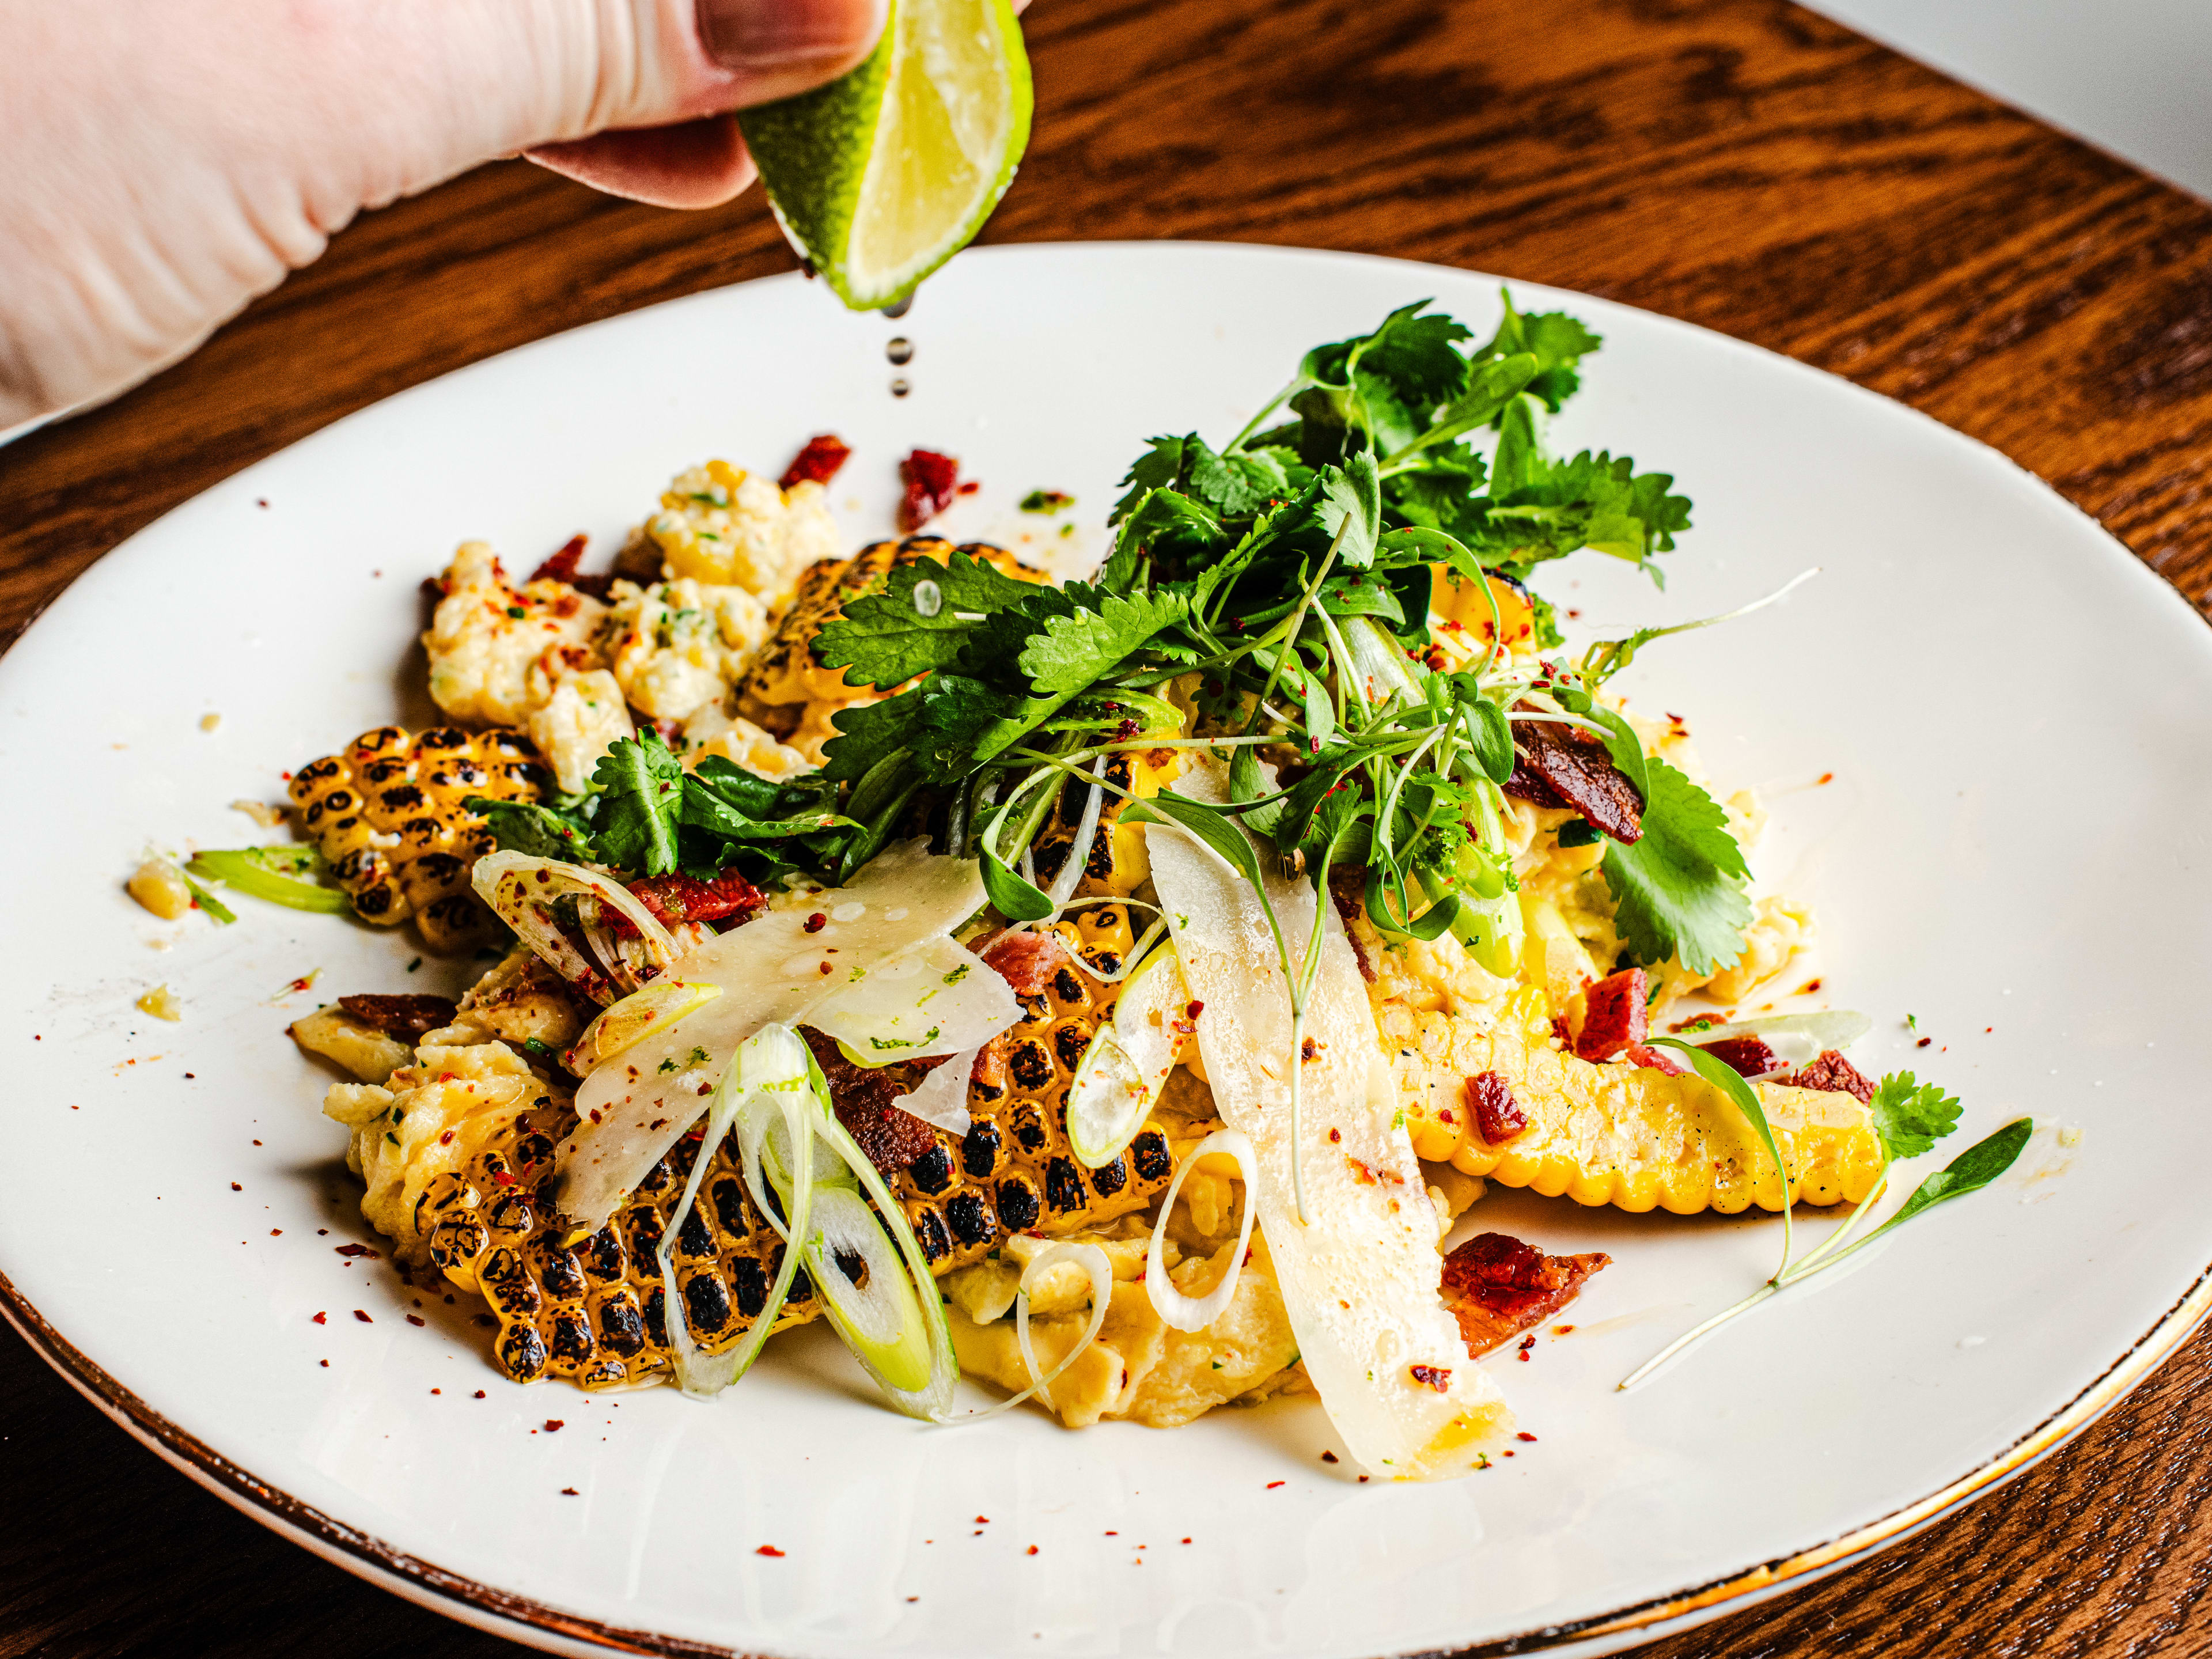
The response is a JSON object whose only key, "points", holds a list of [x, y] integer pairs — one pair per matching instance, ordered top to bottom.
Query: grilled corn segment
{"points": [[387, 813], [1632, 1137], [1014, 1172], [593, 1309]]}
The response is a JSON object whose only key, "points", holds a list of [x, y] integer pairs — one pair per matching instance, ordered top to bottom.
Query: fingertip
{"points": [[780, 48], [692, 164]]}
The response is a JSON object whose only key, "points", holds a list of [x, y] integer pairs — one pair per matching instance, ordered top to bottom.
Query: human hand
{"points": [[169, 159]]}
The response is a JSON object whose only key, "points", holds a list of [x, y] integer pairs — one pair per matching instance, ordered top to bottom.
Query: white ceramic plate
{"points": [[2016, 716]]}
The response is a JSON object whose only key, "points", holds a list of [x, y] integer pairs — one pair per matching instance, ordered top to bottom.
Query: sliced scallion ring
{"points": [[623, 1025], [1120, 1078], [1095, 1262], [864, 1290], [1194, 1313]]}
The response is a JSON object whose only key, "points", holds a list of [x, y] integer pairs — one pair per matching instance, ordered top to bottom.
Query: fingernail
{"points": [[754, 34]]}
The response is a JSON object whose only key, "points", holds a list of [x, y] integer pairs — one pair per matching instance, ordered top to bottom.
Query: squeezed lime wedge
{"points": [[885, 173]]}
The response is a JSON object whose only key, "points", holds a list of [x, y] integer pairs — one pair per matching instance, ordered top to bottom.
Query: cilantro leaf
{"points": [[1558, 342], [1417, 357], [1159, 467], [1241, 484], [1352, 501], [889, 636], [1071, 651], [955, 713], [869, 732], [641, 803], [1681, 884], [1911, 1116]]}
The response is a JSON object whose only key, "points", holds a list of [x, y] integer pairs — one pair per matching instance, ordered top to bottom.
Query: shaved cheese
{"points": [[779, 967], [931, 998], [1360, 1279]]}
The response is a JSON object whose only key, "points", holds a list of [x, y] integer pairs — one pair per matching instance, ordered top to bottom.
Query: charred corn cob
{"points": [[387, 813], [1115, 865], [1632, 1137], [1014, 1172], [593, 1309]]}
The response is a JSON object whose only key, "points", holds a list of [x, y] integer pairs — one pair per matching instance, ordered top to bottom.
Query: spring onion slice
{"points": [[1078, 850], [249, 870], [521, 888], [623, 1025], [1802, 1036], [1119, 1080], [768, 1084], [1095, 1262], [864, 1290], [1189, 1313], [918, 1388]]}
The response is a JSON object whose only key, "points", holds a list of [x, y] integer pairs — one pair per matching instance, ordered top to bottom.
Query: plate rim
{"points": [[489, 1607], [542, 1625]]}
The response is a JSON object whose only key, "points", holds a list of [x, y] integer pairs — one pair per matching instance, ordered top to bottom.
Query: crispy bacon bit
{"points": [[818, 462], [932, 482], [561, 568], [1564, 766], [1347, 892], [676, 900], [1026, 961], [1617, 1014], [408, 1017], [1749, 1055], [1657, 1059], [1831, 1071], [863, 1095], [1497, 1116], [355, 1250], [1497, 1287], [1433, 1377]]}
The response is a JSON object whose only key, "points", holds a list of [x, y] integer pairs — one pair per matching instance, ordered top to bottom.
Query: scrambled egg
{"points": [[720, 525], [681, 645], [497, 651], [585, 714], [428, 1119], [1139, 1368]]}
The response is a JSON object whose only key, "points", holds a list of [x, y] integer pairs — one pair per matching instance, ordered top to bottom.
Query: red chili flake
{"points": [[817, 463], [930, 484], [968, 489], [1827, 777], [818, 921], [1808, 988], [1191, 1010], [1924, 1043], [1335, 1136], [447, 1139], [235, 1188], [276, 1232], [356, 1249], [363, 1317], [322, 1319], [414, 1319], [1563, 1330], [1527, 1343], [1522, 1355], [324, 1364], [1435, 1376], [437, 1391], [478, 1395], [555, 1425], [1525, 1435], [1328, 1457], [1363, 1479], [1272, 1485], [566, 1491], [983, 1520], [769, 1549], [1031, 1551]]}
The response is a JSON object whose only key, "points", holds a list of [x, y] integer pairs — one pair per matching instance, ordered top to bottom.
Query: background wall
{"points": [[2132, 76]]}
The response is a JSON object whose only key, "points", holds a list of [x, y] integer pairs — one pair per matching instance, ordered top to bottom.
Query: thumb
{"points": [[729, 54]]}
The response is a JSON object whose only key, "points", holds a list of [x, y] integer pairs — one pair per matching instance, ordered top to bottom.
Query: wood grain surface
{"points": [[1740, 163]]}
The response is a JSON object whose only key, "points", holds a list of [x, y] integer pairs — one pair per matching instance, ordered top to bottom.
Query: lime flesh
{"points": [[885, 173]]}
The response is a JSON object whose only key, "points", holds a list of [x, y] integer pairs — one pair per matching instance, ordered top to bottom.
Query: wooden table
{"points": [[1740, 163]]}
